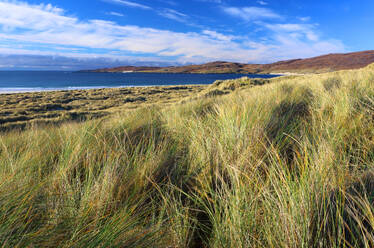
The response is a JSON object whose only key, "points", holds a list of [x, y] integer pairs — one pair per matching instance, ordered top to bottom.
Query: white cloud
{"points": [[212, 1], [170, 2], [262, 2], [128, 3], [166, 12], [113, 13], [251, 13], [173, 15], [304, 19], [46, 26], [295, 30], [218, 36], [43, 62]]}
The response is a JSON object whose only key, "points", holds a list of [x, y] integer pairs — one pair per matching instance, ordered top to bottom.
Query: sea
{"points": [[31, 81]]}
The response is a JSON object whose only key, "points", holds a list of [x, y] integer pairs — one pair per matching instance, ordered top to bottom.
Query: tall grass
{"points": [[286, 164]]}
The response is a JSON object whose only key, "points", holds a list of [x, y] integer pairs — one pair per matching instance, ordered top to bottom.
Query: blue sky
{"points": [[77, 34]]}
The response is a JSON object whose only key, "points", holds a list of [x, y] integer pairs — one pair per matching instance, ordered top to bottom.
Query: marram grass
{"points": [[285, 164]]}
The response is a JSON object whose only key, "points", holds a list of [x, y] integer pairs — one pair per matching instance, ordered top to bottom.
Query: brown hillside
{"points": [[330, 62], [324, 63], [125, 68]]}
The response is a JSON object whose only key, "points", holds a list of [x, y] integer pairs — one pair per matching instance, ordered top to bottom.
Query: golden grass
{"points": [[25, 109], [22, 110], [284, 163]]}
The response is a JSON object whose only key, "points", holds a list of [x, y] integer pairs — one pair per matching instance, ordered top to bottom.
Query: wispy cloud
{"points": [[212, 1], [170, 2], [262, 2], [128, 3], [166, 12], [251, 13], [115, 14], [173, 15], [304, 19], [45, 29], [295, 30], [219, 36], [45, 62]]}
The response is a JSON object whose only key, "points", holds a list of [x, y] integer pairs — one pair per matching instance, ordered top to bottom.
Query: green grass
{"points": [[22, 110], [286, 164]]}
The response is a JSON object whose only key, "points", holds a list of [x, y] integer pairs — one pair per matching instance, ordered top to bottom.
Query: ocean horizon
{"points": [[36, 81]]}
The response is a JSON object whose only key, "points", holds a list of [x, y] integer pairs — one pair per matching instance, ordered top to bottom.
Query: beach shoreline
{"points": [[35, 81], [36, 90]]}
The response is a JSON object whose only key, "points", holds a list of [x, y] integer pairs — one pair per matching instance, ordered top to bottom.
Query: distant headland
{"points": [[324, 63]]}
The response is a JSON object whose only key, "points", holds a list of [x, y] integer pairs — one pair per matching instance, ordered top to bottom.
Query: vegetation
{"points": [[40, 108], [285, 164]]}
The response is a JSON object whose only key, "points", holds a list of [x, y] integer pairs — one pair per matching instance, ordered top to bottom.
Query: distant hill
{"points": [[324, 63], [125, 69]]}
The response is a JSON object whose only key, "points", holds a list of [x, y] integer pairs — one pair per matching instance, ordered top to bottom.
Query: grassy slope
{"points": [[37, 108], [265, 166]]}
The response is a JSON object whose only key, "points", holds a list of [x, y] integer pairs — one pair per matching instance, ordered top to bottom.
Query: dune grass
{"points": [[22, 110], [285, 164]]}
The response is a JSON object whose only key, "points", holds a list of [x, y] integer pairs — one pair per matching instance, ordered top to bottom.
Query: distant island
{"points": [[320, 64]]}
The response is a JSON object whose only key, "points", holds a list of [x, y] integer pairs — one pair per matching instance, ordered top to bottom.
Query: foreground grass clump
{"points": [[289, 163]]}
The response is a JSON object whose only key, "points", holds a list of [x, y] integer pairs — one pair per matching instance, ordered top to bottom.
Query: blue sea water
{"points": [[28, 81]]}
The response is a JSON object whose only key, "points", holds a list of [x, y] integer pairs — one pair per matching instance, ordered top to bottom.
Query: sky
{"points": [[87, 34]]}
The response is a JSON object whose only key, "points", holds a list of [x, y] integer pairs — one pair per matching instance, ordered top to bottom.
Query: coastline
{"points": [[178, 72], [288, 74], [37, 81], [36, 90], [21, 107]]}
